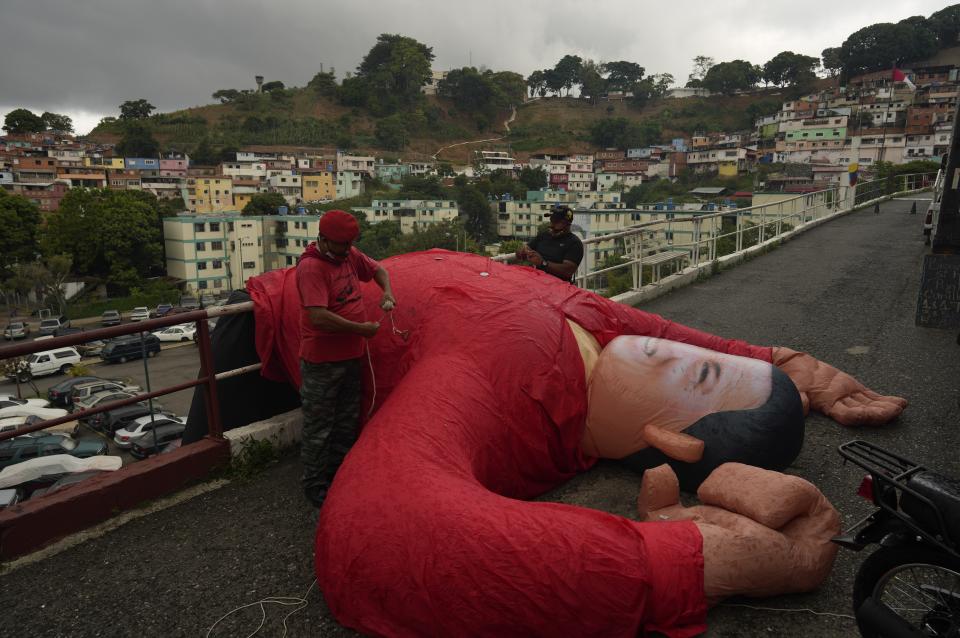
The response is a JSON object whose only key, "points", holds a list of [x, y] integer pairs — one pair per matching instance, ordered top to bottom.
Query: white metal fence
{"points": [[648, 250]]}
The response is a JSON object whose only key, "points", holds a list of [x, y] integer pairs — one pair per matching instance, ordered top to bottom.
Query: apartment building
{"points": [[208, 194], [410, 213]]}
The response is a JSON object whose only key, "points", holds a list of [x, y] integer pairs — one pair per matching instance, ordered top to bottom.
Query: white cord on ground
{"points": [[285, 601], [809, 611]]}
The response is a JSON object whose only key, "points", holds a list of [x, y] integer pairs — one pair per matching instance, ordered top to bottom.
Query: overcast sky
{"points": [[85, 57]]}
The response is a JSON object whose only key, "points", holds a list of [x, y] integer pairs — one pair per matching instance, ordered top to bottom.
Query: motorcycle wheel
{"points": [[916, 582]]}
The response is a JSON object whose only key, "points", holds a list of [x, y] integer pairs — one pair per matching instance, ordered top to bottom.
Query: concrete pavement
{"points": [[845, 292]]}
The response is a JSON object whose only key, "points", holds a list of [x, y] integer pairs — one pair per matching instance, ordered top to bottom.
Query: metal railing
{"points": [[688, 240], [207, 378]]}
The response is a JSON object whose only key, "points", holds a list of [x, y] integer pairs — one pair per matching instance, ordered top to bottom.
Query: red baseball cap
{"points": [[339, 226]]}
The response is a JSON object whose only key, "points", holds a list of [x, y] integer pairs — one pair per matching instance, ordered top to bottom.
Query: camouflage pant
{"points": [[330, 396]]}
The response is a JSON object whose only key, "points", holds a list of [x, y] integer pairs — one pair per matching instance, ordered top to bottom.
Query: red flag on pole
{"points": [[900, 76]]}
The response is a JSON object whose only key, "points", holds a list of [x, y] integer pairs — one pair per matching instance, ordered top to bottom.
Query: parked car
{"points": [[190, 303], [162, 310], [140, 313], [110, 318], [52, 324], [16, 330], [183, 332], [91, 348], [123, 349], [48, 362], [82, 391], [59, 394], [98, 399], [7, 400], [31, 410], [119, 418], [13, 423], [143, 426], [158, 439], [23, 448], [44, 471], [65, 480], [10, 497]]}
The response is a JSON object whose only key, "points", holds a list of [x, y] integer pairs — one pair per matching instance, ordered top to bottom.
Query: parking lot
{"points": [[176, 363]]}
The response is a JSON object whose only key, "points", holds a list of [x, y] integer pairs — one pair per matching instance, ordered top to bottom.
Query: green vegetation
{"points": [[26, 121], [264, 204], [20, 219], [111, 235], [150, 294]]}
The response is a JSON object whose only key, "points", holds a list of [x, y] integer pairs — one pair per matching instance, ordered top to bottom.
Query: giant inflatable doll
{"points": [[492, 384]]}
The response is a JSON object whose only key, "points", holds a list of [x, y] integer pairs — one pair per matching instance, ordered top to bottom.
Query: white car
{"points": [[140, 313], [183, 332], [39, 364], [8, 400], [30, 410], [12, 423], [143, 426], [55, 464]]}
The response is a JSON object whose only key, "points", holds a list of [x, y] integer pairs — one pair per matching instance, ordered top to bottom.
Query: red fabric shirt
{"points": [[325, 283]]}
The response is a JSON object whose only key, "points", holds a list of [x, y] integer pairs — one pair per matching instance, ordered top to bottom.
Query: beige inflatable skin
{"points": [[764, 533]]}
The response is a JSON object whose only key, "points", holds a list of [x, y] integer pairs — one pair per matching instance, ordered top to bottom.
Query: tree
{"points": [[945, 24], [876, 47], [831, 60], [701, 66], [789, 69], [568, 71], [392, 73], [621, 75], [728, 77], [324, 83], [537, 83], [592, 83], [661, 83], [272, 86], [226, 96], [136, 109], [23, 121], [56, 122], [391, 133], [137, 141], [203, 153], [533, 179], [264, 204], [478, 217], [20, 220], [112, 235], [447, 235], [57, 272]]}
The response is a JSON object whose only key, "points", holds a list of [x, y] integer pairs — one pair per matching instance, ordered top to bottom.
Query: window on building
{"points": [[197, 228], [217, 245], [201, 246], [289, 260], [217, 263], [249, 264], [201, 265], [218, 283], [202, 285]]}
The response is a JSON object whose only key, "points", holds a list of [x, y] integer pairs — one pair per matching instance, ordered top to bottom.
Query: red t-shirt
{"points": [[335, 286]]}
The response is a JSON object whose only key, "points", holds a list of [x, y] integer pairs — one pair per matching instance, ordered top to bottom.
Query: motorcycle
{"points": [[910, 585]]}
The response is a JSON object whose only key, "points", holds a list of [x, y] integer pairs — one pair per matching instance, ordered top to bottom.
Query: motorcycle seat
{"points": [[944, 493]]}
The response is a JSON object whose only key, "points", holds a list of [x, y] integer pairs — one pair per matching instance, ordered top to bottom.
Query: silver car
{"points": [[16, 330]]}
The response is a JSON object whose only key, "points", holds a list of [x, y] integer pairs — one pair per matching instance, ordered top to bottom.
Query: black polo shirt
{"points": [[566, 247]]}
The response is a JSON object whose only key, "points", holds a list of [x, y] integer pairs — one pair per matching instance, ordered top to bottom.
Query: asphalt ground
{"points": [[845, 292]]}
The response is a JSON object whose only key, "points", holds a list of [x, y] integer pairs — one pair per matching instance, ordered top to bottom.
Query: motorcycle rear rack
{"points": [[890, 473]]}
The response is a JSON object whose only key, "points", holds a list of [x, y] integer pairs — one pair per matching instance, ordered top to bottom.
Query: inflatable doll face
{"points": [[697, 380], [643, 381]]}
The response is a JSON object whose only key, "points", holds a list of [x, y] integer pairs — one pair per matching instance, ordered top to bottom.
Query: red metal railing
{"points": [[207, 378], [34, 523]]}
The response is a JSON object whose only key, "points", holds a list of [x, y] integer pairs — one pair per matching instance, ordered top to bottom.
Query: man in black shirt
{"points": [[556, 251]]}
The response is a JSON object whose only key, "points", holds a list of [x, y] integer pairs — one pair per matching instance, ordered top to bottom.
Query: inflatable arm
{"points": [[835, 393]]}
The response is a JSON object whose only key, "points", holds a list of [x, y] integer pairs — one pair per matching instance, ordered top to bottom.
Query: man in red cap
{"points": [[333, 327]]}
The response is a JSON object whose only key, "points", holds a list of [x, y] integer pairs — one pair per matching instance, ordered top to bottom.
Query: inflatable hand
{"points": [[836, 393], [764, 533]]}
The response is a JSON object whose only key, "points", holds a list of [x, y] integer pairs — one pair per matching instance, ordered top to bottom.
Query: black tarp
{"points": [[246, 398]]}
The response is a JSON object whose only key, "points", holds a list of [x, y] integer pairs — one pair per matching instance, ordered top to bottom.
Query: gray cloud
{"points": [[85, 58]]}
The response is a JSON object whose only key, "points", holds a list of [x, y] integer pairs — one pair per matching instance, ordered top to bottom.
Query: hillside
{"points": [[299, 120]]}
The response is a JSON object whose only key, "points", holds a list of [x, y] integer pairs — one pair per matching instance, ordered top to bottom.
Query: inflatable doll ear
{"points": [[676, 445]]}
